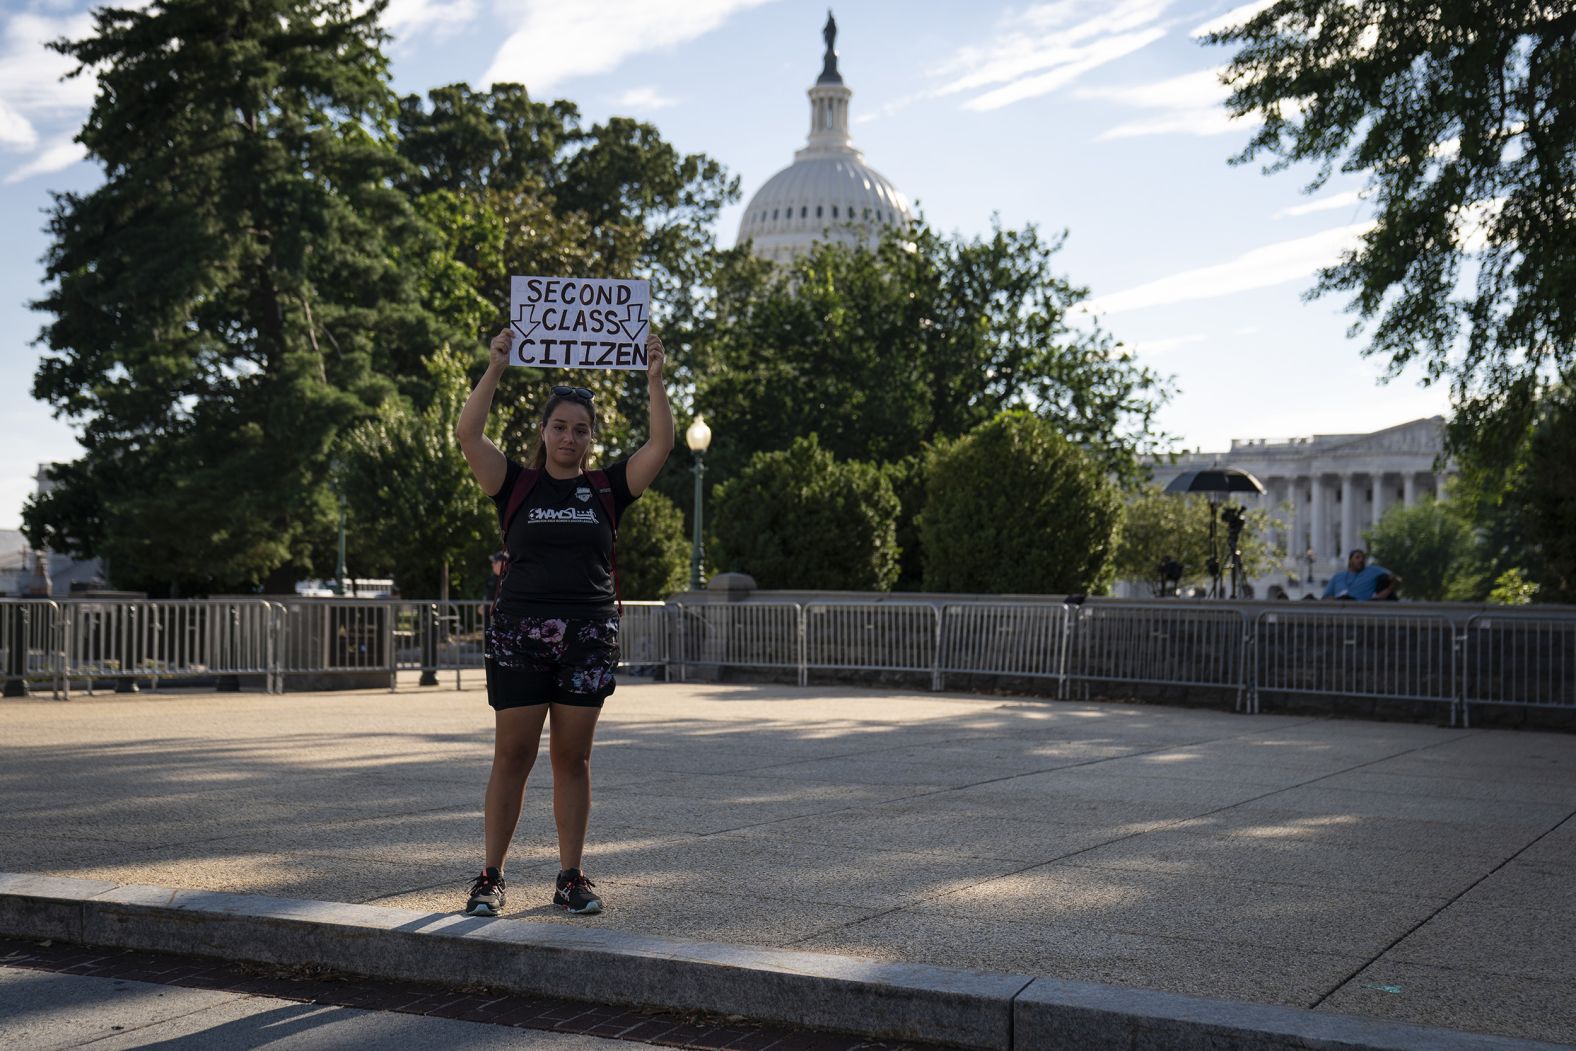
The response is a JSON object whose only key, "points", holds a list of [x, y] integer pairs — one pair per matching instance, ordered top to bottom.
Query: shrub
{"points": [[1012, 506], [800, 518], [1426, 545], [653, 553]]}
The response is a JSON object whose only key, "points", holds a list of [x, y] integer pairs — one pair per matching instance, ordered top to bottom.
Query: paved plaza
{"points": [[1396, 871]]}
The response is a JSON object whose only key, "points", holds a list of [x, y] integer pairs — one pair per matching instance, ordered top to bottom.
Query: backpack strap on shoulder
{"points": [[523, 484], [604, 492]]}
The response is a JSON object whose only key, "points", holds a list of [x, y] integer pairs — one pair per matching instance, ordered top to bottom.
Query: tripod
{"points": [[1235, 518]]}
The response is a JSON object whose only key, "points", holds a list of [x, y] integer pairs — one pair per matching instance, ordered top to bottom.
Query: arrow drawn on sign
{"points": [[527, 313], [634, 321]]}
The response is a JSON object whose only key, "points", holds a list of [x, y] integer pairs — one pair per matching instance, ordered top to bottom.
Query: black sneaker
{"points": [[486, 894], [575, 894]]}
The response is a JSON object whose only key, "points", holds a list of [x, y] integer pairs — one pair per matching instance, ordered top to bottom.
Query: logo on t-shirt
{"points": [[583, 494], [568, 514]]}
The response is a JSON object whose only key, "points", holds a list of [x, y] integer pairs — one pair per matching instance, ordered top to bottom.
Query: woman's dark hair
{"points": [[539, 455]]}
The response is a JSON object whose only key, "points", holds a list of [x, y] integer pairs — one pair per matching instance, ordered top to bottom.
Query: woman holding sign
{"points": [[553, 642]]}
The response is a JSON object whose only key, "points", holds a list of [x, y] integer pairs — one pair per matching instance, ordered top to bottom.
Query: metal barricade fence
{"points": [[643, 633], [746, 635], [876, 636], [336, 637], [153, 639], [1016, 639], [462, 642], [30, 645], [1159, 645], [1358, 652], [1515, 658], [1518, 660]]}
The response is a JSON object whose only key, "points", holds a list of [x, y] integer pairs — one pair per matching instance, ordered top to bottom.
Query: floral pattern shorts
{"points": [[541, 660]]}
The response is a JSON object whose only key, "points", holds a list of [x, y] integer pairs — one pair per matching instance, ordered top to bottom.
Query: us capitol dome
{"points": [[828, 193]]}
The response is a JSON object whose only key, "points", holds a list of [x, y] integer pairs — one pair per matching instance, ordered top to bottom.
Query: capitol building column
{"points": [[1409, 488], [1381, 495], [1316, 509], [1348, 515]]}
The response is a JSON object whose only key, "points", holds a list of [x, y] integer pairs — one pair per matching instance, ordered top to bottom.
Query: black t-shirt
{"points": [[560, 545]]}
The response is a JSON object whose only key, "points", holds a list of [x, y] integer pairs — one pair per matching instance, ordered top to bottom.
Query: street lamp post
{"points": [[698, 438], [336, 471], [1310, 556]]}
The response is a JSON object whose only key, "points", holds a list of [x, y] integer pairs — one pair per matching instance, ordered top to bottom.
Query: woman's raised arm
{"points": [[487, 461], [647, 461]]}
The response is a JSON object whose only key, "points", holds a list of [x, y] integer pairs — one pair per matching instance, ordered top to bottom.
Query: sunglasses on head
{"points": [[582, 393]]}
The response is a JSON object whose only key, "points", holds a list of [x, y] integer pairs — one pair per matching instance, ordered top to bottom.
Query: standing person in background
{"points": [[552, 645]]}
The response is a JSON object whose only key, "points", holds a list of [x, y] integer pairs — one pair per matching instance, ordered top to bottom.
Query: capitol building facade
{"points": [[828, 193], [1323, 492]]}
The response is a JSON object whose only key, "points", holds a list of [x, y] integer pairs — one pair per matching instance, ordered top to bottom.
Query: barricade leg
{"points": [[232, 629], [429, 646], [16, 654]]}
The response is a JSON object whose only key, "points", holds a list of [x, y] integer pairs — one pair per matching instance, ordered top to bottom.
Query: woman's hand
{"points": [[501, 345], [655, 358]]}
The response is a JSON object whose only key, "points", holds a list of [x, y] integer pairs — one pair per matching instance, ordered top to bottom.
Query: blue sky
{"points": [[1100, 117]]}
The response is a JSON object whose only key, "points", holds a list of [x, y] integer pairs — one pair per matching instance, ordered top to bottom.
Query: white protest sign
{"points": [[579, 322]]}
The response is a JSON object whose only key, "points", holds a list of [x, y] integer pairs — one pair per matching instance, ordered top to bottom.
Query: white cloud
{"points": [[1235, 17], [408, 18], [557, 41], [1047, 46], [30, 73], [644, 99], [1190, 104], [37, 105], [16, 131], [57, 155], [1321, 204], [1258, 268]]}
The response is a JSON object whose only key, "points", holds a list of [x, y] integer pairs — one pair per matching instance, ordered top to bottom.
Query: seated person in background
{"points": [[1362, 580]]}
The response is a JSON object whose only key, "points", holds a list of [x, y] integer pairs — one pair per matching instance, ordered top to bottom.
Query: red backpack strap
{"points": [[523, 484], [604, 492]]}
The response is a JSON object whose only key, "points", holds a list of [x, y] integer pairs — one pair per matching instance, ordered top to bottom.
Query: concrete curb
{"points": [[995, 1012]]}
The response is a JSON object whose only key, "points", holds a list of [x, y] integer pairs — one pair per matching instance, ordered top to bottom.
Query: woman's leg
{"points": [[519, 732], [569, 745]]}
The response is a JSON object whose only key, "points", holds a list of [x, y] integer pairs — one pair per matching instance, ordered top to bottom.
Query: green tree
{"points": [[1463, 117], [521, 186], [235, 294], [881, 351], [1549, 495], [413, 504], [1013, 506], [1521, 515], [802, 518], [1157, 525], [1427, 545], [653, 551]]}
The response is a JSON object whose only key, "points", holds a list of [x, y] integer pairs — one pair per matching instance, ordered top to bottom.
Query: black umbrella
{"points": [[1214, 482]]}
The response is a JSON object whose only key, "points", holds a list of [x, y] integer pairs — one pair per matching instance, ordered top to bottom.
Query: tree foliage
{"points": [[1463, 117], [496, 168], [279, 247], [232, 296], [921, 339], [413, 504], [1014, 507], [1520, 516], [803, 518], [1157, 525], [1427, 545], [653, 552]]}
